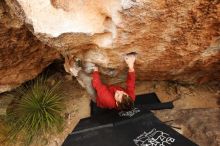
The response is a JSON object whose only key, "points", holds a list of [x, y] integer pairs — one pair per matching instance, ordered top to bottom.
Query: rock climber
{"points": [[105, 96]]}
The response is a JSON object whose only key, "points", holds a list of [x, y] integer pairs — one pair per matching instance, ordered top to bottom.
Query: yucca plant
{"points": [[37, 111]]}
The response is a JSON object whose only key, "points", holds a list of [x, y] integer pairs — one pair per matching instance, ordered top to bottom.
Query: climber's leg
{"points": [[86, 80]]}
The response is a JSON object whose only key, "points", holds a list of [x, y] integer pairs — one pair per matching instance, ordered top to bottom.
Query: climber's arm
{"points": [[130, 59], [131, 84]]}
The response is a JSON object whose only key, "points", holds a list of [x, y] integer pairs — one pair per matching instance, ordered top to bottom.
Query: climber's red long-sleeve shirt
{"points": [[105, 93]]}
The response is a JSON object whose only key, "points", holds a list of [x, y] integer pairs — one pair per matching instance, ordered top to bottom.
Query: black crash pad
{"points": [[149, 98], [149, 101], [138, 127]]}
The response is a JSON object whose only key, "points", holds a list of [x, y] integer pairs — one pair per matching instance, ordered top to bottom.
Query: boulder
{"points": [[175, 40]]}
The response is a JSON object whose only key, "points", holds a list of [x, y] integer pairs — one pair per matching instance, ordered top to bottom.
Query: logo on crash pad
{"points": [[129, 113], [154, 138]]}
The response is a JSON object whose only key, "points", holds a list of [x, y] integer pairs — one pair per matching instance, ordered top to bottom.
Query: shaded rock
{"points": [[22, 55], [5, 100]]}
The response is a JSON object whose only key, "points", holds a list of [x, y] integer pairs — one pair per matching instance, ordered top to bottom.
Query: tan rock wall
{"points": [[175, 40], [22, 55]]}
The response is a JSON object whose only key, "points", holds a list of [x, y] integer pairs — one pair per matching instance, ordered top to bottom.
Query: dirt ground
{"points": [[191, 100]]}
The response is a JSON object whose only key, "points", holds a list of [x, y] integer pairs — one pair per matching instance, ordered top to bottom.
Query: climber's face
{"points": [[119, 95]]}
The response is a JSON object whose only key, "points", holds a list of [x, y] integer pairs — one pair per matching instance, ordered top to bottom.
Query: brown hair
{"points": [[126, 103]]}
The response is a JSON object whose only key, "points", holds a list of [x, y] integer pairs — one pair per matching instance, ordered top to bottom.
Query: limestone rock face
{"points": [[175, 40], [22, 55]]}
